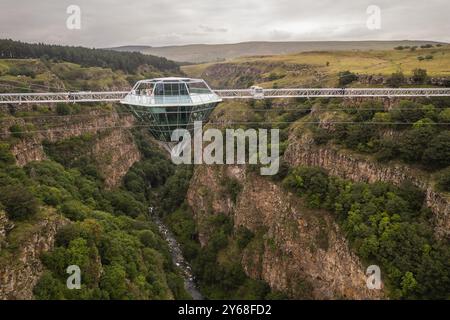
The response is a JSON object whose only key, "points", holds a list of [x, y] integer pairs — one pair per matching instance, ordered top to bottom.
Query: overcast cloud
{"points": [[108, 23]]}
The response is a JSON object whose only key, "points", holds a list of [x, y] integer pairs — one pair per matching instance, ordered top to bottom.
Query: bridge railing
{"points": [[335, 92], [116, 96], [54, 97]]}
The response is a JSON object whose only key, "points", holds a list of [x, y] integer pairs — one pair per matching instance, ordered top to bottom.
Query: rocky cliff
{"points": [[114, 148], [114, 151], [347, 165], [301, 248], [22, 268]]}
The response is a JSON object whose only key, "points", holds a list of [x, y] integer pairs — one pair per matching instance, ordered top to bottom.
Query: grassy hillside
{"points": [[198, 53], [126, 61], [322, 68], [38, 75]]}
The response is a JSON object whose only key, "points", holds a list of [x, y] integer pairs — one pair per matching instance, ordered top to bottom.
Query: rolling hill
{"points": [[196, 53], [321, 68]]}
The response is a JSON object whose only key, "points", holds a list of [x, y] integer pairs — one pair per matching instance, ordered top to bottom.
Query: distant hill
{"points": [[130, 48], [197, 53], [321, 69]]}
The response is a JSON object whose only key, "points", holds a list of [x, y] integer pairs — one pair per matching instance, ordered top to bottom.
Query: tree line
{"points": [[128, 62]]}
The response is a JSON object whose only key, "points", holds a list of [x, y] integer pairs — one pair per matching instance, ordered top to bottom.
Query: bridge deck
{"points": [[116, 96]]}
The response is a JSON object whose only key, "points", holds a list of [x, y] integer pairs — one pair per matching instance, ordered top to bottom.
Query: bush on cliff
{"points": [[386, 225]]}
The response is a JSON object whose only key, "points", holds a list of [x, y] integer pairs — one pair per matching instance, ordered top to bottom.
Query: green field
{"points": [[323, 67]]}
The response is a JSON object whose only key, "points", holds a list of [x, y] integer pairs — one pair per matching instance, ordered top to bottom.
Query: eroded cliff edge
{"points": [[113, 147], [114, 150], [347, 165], [300, 248], [21, 268]]}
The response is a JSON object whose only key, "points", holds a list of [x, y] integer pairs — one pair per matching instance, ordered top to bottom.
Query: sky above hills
{"points": [[106, 23]]}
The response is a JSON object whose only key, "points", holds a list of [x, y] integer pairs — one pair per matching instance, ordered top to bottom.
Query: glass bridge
{"points": [[166, 104]]}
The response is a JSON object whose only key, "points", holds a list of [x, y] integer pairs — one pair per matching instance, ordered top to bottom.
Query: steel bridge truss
{"points": [[333, 92], [116, 96], [55, 97]]}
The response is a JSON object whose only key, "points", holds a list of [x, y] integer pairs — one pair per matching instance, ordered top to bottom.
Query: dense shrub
{"points": [[22, 71], [419, 76], [346, 77], [396, 80], [63, 109], [407, 111], [17, 131], [411, 144], [437, 155], [6, 156], [443, 180], [313, 183], [231, 187], [18, 202]]}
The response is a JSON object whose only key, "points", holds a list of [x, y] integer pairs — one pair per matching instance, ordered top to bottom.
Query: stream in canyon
{"points": [[177, 257]]}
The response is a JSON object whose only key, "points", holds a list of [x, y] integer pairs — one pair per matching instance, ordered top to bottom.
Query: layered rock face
{"points": [[239, 75], [114, 147], [115, 152], [359, 168], [301, 247], [22, 270]]}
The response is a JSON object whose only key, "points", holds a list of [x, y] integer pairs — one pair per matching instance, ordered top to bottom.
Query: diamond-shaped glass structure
{"points": [[166, 104]]}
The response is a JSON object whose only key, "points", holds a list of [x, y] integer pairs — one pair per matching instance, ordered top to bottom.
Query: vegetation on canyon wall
{"points": [[422, 136], [386, 225], [111, 239], [217, 264]]}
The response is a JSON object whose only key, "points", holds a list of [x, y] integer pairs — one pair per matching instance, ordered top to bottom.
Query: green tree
{"points": [[419, 76], [346, 77], [396, 79], [63, 109], [407, 111], [413, 143], [437, 155], [6, 156], [443, 180], [18, 201], [113, 281], [408, 284], [48, 288]]}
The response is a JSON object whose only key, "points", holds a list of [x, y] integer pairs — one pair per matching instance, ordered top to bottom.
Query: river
{"points": [[177, 257]]}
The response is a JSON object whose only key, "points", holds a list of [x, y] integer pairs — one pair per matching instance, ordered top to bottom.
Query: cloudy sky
{"points": [[107, 23]]}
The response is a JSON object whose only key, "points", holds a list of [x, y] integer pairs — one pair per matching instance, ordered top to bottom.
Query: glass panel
{"points": [[198, 88], [159, 89], [183, 89]]}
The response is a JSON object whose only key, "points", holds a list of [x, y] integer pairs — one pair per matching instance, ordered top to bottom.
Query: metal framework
{"points": [[332, 92], [116, 96], [52, 97], [167, 104]]}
